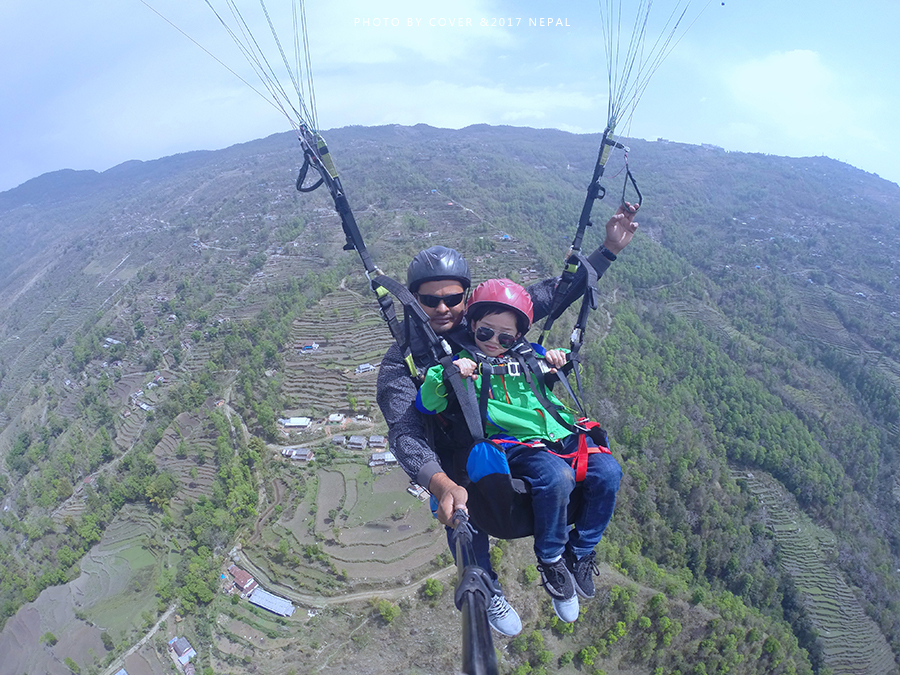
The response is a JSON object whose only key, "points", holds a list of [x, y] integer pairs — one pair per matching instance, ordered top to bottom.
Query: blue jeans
{"points": [[552, 482], [480, 547]]}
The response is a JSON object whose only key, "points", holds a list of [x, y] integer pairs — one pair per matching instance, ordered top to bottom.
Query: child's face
{"points": [[502, 330]]}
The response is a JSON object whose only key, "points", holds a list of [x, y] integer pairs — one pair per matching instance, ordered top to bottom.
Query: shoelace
{"points": [[590, 560], [551, 574], [498, 608]]}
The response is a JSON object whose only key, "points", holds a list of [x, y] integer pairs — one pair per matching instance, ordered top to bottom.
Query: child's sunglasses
{"points": [[435, 300], [483, 334]]}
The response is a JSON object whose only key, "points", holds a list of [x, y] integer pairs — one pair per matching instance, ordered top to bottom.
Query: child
{"points": [[541, 440]]}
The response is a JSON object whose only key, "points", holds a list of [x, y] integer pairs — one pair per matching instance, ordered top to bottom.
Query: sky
{"points": [[89, 84]]}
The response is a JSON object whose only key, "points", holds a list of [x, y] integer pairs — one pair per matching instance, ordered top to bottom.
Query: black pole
{"points": [[474, 591]]}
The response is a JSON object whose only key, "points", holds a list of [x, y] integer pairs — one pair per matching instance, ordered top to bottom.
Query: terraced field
{"points": [[819, 322], [349, 332], [26, 342], [195, 358], [195, 478], [383, 534], [117, 580], [116, 586], [852, 642]]}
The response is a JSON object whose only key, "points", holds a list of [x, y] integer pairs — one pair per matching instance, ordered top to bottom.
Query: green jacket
{"points": [[512, 410]]}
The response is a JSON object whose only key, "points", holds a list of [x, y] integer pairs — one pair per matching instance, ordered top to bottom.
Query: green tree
{"points": [[161, 489], [284, 549], [433, 588], [388, 610], [587, 655]]}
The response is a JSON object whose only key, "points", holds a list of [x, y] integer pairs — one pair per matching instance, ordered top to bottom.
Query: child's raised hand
{"points": [[556, 358], [466, 367]]}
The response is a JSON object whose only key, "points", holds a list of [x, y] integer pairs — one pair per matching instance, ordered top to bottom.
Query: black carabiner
{"points": [[302, 177], [630, 177]]}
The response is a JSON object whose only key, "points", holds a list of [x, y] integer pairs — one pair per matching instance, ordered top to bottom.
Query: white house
{"points": [[296, 422], [302, 455], [382, 458], [278, 605], [183, 650]]}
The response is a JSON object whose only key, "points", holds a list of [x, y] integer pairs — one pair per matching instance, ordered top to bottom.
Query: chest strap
{"points": [[512, 369]]}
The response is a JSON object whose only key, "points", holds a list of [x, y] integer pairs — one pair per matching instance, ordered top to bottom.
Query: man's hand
{"points": [[620, 228], [450, 497]]}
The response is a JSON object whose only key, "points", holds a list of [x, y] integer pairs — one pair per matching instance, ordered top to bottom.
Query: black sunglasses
{"points": [[435, 300], [483, 334]]}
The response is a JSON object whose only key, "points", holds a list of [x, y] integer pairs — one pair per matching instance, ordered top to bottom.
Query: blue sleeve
{"points": [[538, 349]]}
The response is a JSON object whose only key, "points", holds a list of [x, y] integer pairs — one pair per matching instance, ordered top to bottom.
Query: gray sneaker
{"points": [[583, 572], [558, 582], [502, 617]]}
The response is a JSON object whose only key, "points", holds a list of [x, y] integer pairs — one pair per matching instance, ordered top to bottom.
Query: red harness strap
{"points": [[580, 456]]}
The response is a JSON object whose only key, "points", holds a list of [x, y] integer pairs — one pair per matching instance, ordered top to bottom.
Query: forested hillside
{"points": [[744, 359]]}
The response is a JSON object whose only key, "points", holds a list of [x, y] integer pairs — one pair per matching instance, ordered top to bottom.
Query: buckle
{"points": [[513, 368]]}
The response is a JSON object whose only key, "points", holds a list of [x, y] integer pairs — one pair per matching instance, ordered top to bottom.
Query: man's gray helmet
{"points": [[434, 264]]}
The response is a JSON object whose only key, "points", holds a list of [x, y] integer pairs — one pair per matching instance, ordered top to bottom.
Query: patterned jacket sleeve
{"points": [[407, 437]]}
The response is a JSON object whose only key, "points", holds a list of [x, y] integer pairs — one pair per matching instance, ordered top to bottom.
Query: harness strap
{"points": [[317, 156], [415, 318], [576, 339], [513, 369], [534, 376], [563, 378], [465, 396], [483, 398], [513, 441], [580, 456]]}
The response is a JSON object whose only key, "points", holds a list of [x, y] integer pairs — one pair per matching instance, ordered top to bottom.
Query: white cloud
{"points": [[796, 95]]}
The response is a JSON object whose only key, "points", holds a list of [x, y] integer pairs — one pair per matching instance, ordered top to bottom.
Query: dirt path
{"points": [[671, 283], [279, 488], [318, 601], [339, 648], [120, 662]]}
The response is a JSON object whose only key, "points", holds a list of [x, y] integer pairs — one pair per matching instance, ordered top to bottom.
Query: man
{"points": [[439, 278]]}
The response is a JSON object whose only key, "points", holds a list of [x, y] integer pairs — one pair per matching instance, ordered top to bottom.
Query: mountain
{"points": [[743, 358]]}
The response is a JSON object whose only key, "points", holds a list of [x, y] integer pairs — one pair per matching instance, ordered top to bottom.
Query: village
{"points": [[322, 433]]}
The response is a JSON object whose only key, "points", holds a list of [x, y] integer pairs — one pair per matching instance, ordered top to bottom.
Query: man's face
{"points": [[441, 317]]}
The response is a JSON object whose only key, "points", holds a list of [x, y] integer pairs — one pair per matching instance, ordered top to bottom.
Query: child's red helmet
{"points": [[505, 294]]}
